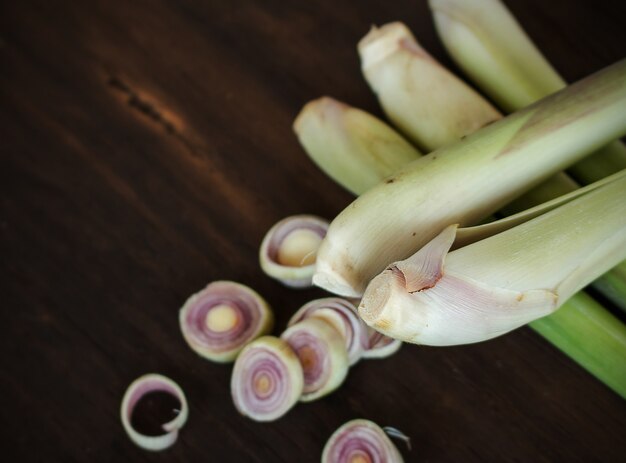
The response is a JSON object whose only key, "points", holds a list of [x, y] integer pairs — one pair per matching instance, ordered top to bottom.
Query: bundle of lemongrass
{"points": [[392, 245]]}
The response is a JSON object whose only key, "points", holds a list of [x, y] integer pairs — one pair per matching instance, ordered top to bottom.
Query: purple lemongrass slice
{"points": [[289, 250], [342, 315], [221, 319], [380, 346], [322, 353], [267, 379], [142, 387], [360, 441]]}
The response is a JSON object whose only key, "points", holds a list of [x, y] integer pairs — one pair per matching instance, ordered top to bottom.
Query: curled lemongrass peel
{"points": [[489, 44], [427, 102], [354, 148], [469, 180], [289, 249], [495, 285], [341, 314], [221, 319], [380, 346], [322, 354], [267, 379], [139, 388], [360, 441]]}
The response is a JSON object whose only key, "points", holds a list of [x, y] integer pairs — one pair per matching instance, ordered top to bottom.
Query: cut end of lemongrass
{"points": [[380, 42], [426, 101], [354, 148], [289, 249], [502, 282], [335, 283], [419, 301], [341, 314], [221, 319], [322, 354], [267, 379], [140, 388], [360, 441]]}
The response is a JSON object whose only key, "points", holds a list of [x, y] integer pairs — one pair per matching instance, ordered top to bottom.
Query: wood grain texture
{"points": [[146, 147]]}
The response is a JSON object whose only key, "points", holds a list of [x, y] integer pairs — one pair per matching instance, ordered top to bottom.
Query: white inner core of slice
{"points": [[299, 248], [221, 318]]}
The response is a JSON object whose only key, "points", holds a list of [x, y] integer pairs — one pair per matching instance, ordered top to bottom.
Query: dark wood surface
{"points": [[146, 147]]}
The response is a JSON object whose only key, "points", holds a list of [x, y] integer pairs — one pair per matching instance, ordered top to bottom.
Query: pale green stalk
{"points": [[488, 43], [428, 103], [353, 147], [469, 180], [613, 283], [487, 288]]}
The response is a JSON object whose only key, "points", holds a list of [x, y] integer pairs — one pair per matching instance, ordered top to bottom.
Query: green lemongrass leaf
{"points": [[488, 43], [354, 148], [469, 180]]}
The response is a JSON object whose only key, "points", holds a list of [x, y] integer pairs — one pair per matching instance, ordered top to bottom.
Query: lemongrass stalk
{"points": [[488, 43], [423, 98], [415, 99], [355, 149], [469, 180], [612, 284], [488, 288]]}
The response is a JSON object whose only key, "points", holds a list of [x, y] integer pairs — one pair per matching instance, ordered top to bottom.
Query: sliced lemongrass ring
{"points": [[289, 249], [343, 316], [221, 319], [380, 346], [322, 354], [267, 379], [137, 390], [360, 441]]}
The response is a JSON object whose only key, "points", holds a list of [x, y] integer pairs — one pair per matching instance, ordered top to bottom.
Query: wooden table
{"points": [[146, 149]]}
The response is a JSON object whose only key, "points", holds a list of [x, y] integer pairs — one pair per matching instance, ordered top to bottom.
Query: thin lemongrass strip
{"points": [[489, 44], [392, 62], [357, 150], [467, 181], [289, 249], [495, 285], [341, 314], [221, 319], [591, 336], [322, 354], [267, 380], [139, 388], [360, 441]]}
